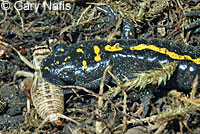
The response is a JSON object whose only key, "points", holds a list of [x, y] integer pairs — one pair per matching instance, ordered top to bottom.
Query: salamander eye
{"points": [[59, 49]]}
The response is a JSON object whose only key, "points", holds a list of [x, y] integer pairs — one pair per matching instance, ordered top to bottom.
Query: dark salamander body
{"points": [[83, 63]]}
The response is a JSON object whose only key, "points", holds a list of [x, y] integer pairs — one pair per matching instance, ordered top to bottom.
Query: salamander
{"points": [[83, 63]]}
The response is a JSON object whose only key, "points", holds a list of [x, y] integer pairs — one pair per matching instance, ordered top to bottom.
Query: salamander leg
{"points": [[110, 12], [128, 31], [145, 97]]}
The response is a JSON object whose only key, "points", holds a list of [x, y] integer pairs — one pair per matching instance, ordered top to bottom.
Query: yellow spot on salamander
{"points": [[130, 33], [81, 45], [113, 48], [62, 50], [79, 50], [97, 51], [165, 51], [69, 57], [57, 62], [64, 63], [52, 64], [84, 65], [41, 67], [46, 68], [65, 73]]}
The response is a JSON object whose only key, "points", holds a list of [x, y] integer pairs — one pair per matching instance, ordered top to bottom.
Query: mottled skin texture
{"points": [[124, 62]]}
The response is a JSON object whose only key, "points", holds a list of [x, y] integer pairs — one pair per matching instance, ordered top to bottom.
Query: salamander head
{"points": [[58, 69], [57, 76]]}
